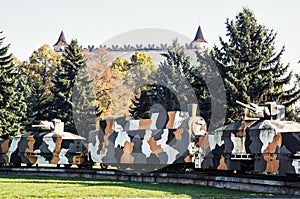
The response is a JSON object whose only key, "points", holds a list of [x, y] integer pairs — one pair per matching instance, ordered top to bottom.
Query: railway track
{"points": [[254, 183]]}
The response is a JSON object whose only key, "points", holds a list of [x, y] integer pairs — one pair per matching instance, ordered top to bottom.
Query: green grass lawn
{"points": [[50, 187]]}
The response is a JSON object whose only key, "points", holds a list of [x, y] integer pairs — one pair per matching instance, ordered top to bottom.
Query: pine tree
{"points": [[179, 60], [250, 67], [175, 70], [39, 72], [64, 80], [177, 83], [151, 96], [12, 100], [83, 103]]}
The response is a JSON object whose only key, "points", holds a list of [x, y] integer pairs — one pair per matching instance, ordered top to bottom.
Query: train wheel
{"points": [[17, 165], [67, 166], [80, 166], [103, 166], [121, 167]]}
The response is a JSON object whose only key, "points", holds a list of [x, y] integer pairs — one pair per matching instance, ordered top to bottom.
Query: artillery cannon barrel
{"points": [[246, 105], [38, 125]]}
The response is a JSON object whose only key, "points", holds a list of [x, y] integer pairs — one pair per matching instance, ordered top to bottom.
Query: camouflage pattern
{"points": [[165, 138], [263, 143], [4, 145], [259, 145], [47, 146]]}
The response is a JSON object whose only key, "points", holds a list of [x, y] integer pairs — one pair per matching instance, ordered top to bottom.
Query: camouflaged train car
{"points": [[164, 139], [262, 143], [48, 145], [4, 146]]}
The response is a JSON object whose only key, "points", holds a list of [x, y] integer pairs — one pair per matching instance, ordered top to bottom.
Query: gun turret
{"points": [[252, 106], [269, 110], [254, 111], [44, 125], [55, 125]]}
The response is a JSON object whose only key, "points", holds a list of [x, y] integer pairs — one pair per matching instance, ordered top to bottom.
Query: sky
{"points": [[27, 25]]}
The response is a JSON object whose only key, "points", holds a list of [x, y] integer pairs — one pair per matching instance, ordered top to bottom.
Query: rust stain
{"points": [[171, 120], [145, 124], [178, 133], [154, 147], [126, 156], [270, 156], [222, 164]]}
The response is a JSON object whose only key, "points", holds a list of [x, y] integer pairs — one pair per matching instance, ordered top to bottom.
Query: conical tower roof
{"points": [[199, 36], [61, 40]]}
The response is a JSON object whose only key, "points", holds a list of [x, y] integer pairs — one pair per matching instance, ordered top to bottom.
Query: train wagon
{"points": [[262, 143], [148, 144], [47, 145]]}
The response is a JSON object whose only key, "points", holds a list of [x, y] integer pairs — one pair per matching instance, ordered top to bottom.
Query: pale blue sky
{"points": [[29, 24]]}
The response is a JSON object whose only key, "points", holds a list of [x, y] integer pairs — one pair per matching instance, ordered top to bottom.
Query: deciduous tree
{"points": [[38, 73]]}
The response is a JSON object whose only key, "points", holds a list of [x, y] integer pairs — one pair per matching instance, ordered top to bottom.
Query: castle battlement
{"points": [[198, 40]]}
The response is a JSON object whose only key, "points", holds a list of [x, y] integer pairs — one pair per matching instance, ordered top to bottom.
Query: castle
{"points": [[150, 49]]}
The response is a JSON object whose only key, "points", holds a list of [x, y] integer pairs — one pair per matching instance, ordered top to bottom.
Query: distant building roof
{"points": [[199, 36], [61, 40]]}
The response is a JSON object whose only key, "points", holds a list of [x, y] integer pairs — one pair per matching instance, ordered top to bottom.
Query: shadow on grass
{"points": [[192, 191]]}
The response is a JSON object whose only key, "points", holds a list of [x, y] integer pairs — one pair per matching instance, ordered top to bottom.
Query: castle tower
{"points": [[199, 41], [60, 45]]}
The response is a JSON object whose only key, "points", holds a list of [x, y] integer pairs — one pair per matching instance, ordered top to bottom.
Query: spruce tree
{"points": [[179, 60], [251, 69], [39, 72], [64, 80], [175, 82], [149, 97], [12, 100], [83, 103]]}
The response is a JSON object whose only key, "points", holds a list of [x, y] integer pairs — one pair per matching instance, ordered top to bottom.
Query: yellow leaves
{"points": [[141, 58], [139, 62], [121, 65], [115, 87]]}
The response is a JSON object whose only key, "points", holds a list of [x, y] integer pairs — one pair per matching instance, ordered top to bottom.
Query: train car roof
{"points": [[278, 126], [64, 135]]}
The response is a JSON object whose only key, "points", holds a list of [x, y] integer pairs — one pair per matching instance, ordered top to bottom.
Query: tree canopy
{"points": [[251, 69], [39, 73], [63, 83], [12, 100]]}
